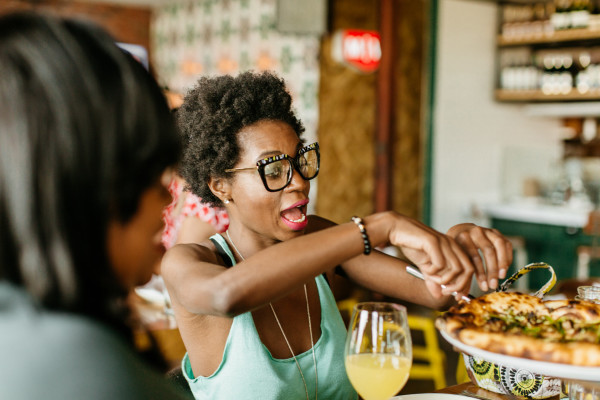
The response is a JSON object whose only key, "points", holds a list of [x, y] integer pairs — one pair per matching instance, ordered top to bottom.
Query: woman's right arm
{"points": [[202, 286]]}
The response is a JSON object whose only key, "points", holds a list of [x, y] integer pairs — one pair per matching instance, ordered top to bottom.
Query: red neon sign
{"points": [[358, 48]]}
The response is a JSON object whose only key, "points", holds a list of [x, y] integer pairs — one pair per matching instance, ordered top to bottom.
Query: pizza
{"points": [[520, 325]]}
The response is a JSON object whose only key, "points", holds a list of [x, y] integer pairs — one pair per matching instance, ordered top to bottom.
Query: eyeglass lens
{"points": [[279, 173]]}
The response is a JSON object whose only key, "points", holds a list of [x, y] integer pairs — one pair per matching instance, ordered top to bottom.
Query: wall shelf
{"points": [[563, 36], [539, 96], [564, 110]]}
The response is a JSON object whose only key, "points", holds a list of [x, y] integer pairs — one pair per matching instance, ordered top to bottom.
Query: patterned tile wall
{"points": [[191, 38]]}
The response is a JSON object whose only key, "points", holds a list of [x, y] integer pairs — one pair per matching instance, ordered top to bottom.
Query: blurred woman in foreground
{"points": [[86, 146]]}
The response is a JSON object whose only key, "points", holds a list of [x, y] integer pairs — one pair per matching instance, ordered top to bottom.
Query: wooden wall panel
{"points": [[130, 24], [348, 102], [346, 122], [408, 170]]}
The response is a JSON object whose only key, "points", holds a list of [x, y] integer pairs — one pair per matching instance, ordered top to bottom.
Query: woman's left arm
{"points": [[387, 275]]}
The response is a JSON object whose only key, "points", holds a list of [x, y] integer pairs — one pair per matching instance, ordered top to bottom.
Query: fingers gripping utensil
{"points": [[417, 274], [508, 282]]}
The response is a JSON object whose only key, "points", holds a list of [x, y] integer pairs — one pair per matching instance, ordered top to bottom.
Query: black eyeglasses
{"points": [[276, 172]]}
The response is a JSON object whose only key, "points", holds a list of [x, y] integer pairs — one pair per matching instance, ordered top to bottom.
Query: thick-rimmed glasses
{"points": [[276, 172]]}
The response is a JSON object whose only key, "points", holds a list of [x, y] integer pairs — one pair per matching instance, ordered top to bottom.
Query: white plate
{"points": [[151, 295], [565, 371], [430, 396]]}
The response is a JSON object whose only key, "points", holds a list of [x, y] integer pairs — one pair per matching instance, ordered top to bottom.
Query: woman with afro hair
{"points": [[254, 305]]}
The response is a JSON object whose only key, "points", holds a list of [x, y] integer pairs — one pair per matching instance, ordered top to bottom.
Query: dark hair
{"points": [[213, 113], [84, 131]]}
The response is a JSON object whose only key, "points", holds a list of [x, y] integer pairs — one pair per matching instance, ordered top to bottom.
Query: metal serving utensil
{"points": [[414, 271], [508, 281]]}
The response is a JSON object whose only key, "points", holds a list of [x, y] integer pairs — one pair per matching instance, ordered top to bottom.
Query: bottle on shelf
{"points": [[580, 13], [561, 18], [524, 20], [594, 22], [518, 72], [557, 75], [587, 78]]}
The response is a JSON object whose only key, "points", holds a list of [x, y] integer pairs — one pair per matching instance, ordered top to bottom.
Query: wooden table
{"points": [[476, 390]]}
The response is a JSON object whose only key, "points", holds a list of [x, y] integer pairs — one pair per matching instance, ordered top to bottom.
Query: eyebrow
{"points": [[270, 153]]}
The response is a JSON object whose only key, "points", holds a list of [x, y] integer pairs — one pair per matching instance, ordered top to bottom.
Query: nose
{"points": [[297, 182]]}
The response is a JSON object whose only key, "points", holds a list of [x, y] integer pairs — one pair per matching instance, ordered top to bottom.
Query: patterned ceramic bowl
{"points": [[517, 382]]}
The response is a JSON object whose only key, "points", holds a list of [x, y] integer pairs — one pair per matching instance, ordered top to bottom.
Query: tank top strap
{"points": [[223, 249]]}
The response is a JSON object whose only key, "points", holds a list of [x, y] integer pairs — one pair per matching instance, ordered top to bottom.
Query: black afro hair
{"points": [[213, 113]]}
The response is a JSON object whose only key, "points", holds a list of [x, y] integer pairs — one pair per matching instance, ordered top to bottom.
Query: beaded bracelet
{"points": [[363, 232]]}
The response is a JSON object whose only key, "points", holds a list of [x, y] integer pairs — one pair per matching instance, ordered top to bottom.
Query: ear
{"points": [[220, 188]]}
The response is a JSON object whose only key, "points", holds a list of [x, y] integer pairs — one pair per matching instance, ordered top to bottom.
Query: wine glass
{"points": [[378, 349]]}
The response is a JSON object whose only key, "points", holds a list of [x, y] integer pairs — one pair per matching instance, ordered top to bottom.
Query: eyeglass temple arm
{"points": [[239, 169]]}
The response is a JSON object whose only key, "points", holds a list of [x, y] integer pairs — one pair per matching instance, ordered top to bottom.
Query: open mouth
{"points": [[295, 214]]}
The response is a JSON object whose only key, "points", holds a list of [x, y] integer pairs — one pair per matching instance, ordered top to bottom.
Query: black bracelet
{"points": [[363, 232]]}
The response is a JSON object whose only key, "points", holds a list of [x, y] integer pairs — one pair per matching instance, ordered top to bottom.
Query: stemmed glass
{"points": [[378, 349]]}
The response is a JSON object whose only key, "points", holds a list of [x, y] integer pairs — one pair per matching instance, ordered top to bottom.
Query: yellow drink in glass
{"points": [[378, 353], [377, 376]]}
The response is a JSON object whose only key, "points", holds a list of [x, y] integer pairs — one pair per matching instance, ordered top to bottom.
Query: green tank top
{"points": [[249, 371]]}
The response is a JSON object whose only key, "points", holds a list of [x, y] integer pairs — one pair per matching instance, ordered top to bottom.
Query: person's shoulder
{"points": [[178, 257], [55, 355]]}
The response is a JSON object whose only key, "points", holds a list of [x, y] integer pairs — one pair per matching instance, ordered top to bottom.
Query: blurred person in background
{"points": [[87, 143], [188, 219], [254, 305]]}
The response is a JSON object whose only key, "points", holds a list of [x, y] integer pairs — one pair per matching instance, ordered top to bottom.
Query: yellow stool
{"points": [[346, 306], [430, 353], [461, 371]]}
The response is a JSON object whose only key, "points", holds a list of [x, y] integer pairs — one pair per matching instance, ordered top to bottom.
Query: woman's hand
{"points": [[496, 250], [439, 257]]}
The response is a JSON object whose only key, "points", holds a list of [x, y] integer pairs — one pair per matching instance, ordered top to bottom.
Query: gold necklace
{"points": [[312, 345]]}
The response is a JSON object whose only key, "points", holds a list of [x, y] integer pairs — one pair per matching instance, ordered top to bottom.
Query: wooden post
{"points": [[385, 106]]}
